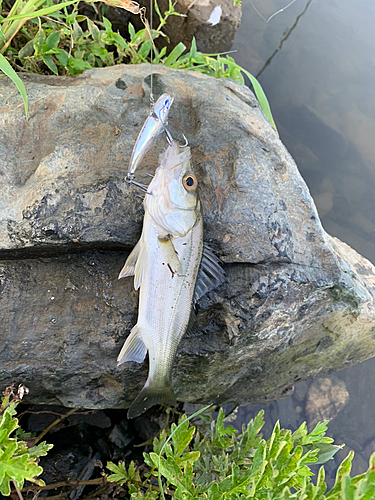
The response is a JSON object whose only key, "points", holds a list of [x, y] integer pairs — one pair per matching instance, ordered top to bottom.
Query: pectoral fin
{"points": [[170, 256], [133, 349]]}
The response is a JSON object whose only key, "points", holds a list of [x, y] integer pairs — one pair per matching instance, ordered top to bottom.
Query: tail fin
{"points": [[152, 394]]}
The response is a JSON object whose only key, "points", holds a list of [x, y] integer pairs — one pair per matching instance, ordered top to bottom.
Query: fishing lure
{"points": [[155, 124]]}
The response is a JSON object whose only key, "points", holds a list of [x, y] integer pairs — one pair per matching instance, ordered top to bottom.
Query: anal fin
{"points": [[133, 349]]}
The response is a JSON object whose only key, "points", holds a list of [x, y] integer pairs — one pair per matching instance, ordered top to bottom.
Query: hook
{"points": [[169, 137], [186, 142]]}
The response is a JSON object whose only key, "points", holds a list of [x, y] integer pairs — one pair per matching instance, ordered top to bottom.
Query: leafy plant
{"points": [[11, 25], [68, 43], [217, 66], [18, 460], [213, 461]]}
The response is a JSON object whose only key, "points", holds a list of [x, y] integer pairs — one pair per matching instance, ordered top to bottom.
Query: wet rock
{"points": [[297, 302], [325, 399], [42, 416], [146, 428], [120, 435], [64, 463]]}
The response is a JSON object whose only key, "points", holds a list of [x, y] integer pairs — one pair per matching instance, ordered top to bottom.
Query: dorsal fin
{"points": [[210, 274]]}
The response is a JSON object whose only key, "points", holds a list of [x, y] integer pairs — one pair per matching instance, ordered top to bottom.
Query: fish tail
{"points": [[152, 394]]}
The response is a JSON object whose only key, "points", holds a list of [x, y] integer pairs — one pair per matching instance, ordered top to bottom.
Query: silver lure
{"points": [[154, 125]]}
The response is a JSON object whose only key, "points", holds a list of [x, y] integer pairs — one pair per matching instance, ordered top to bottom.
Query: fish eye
{"points": [[190, 183]]}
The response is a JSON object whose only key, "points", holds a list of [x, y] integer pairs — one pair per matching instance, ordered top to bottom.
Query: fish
{"points": [[154, 125], [165, 264]]}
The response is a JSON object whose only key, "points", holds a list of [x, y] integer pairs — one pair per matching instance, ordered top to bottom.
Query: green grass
{"points": [[41, 37]]}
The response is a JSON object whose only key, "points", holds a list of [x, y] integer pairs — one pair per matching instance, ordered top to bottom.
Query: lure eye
{"points": [[190, 183]]}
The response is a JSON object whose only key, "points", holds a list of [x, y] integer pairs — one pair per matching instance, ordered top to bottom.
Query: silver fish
{"points": [[154, 125], [165, 264]]}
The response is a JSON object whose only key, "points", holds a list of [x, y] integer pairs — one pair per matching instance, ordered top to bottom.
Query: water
{"points": [[316, 62]]}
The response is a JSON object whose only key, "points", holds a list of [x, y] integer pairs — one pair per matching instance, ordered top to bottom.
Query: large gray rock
{"points": [[297, 303]]}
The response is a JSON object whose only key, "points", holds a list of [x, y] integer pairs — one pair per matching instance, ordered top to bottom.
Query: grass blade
{"points": [[41, 12], [175, 54], [6, 68], [261, 96]]}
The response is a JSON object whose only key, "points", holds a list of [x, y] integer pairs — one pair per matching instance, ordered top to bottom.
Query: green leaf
{"points": [[157, 10], [37, 13], [71, 18], [107, 25], [94, 30], [131, 31], [2, 37], [116, 37], [53, 40], [39, 41], [193, 49], [27, 50], [144, 50], [175, 54], [160, 55], [63, 57], [49, 62], [78, 64], [7, 69], [261, 96], [182, 435], [39, 450], [325, 451], [190, 457], [17, 461], [17, 469], [170, 470], [342, 471], [119, 475]]}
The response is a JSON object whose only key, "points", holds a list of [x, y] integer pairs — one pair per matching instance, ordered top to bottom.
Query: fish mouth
{"points": [[176, 157]]}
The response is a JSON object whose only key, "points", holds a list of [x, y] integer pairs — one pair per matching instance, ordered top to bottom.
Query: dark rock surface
{"points": [[298, 303]]}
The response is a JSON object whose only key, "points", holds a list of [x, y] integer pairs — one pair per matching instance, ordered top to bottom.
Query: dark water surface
{"points": [[316, 63]]}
